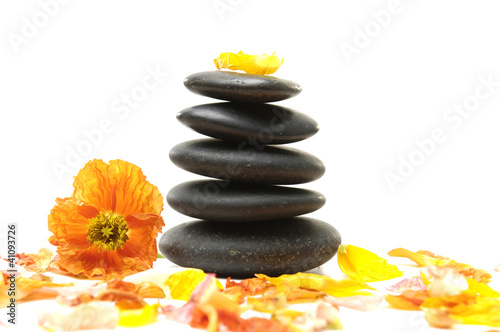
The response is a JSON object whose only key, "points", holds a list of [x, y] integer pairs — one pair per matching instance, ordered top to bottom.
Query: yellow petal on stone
{"points": [[251, 64], [364, 266], [182, 284]]}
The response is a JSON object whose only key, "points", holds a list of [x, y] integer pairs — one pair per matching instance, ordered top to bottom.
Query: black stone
{"points": [[241, 87], [265, 123], [247, 162], [239, 202], [276, 247]]}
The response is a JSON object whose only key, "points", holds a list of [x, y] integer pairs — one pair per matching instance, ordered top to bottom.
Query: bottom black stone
{"points": [[273, 247]]}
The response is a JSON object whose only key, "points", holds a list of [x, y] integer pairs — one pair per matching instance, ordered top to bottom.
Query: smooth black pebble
{"points": [[240, 87], [264, 123], [246, 162], [239, 202], [239, 250]]}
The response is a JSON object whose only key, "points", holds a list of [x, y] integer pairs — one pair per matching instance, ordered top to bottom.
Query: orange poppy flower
{"points": [[108, 227]]}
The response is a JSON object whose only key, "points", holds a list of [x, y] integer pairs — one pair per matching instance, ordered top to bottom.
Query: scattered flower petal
{"points": [[251, 64], [421, 257], [427, 258], [35, 262], [365, 266], [470, 272], [444, 281], [320, 283], [413, 283], [182, 284], [252, 286], [28, 289], [480, 289], [149, 290], [269, 302], [359, 302], [401, 302], [462, 309], [87, 316], [322, 316], [139, 317], [439, 318], [233, 322]]}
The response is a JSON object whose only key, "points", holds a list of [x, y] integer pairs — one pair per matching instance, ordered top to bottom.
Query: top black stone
{"points": [[239, 87]]}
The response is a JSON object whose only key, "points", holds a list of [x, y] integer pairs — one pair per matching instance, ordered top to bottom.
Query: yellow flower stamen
{"points": [[108, 230]]}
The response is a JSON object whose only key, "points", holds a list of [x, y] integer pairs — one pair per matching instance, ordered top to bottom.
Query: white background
{"points": [[66, 77]]}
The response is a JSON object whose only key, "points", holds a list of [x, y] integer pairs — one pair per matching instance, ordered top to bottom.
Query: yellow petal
{"points": [[251, 64], [421, 257], [427, 258], [364, 266], [316, 282], [182, 284], [480, 289], [401, 302], [465, 308], [485, 311], [139, 317]]}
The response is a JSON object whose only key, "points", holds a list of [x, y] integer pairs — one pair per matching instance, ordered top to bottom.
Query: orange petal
{"points": [[251, 64], [118, 186], [68, 222], [141, 245], [421, 257], [35, 262], [470, 272], [320, 283], [253, 286], [38, 288], [150, 290], [235, 293], [401, 302], [234, 322]]}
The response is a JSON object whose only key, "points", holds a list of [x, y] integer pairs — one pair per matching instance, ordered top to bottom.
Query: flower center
{"points": [[108, 230]]}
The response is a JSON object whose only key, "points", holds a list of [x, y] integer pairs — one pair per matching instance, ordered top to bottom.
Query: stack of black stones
{"points": [[248, 222]]}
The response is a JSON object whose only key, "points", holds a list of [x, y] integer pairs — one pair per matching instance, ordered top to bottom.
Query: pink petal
{"points": [[413, 283], [357, 302]]}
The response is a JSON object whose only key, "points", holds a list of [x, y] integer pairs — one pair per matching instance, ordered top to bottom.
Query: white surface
{"points": [[69, 75]]}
